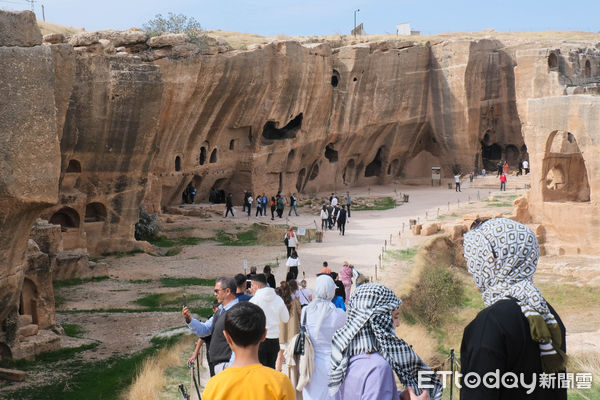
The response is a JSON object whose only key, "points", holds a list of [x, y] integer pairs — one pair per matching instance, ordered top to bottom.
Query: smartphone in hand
{"points": [[184, 300]]}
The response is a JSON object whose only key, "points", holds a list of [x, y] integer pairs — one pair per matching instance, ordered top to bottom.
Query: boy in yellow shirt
{"points": [[246, 378]]}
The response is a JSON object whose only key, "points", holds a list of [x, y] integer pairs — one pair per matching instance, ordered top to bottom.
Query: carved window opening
{"points": [[553, 61], [588, 69], [335, 78], [289, 131], [232, 144], [330, 153], [202, 155], [213, 156], [177, 163], [74, 166], [374, 168], [564, 171], [314, 172], [300, 180], [95, 212], [66, 217]]}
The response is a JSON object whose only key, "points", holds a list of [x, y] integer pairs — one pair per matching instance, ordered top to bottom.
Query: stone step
{"points": [[25, 320], [28, 330], [12, 375]]}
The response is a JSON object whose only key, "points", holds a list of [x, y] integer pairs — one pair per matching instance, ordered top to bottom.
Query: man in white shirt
{"points": [[526, 166], [457, 181], [334, 201], [275, 311]]}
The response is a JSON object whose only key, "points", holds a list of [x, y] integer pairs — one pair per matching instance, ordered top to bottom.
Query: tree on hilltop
{"points": [[173, 23]]}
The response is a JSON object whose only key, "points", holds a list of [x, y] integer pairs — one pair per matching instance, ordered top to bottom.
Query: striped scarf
{"points": [[502, 256], [369, 328]]}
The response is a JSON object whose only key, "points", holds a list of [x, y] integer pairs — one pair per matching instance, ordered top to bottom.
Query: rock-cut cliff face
{"points": [[95, 125]]}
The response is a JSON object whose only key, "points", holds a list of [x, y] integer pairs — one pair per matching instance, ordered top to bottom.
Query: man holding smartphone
{"points": [[219, 351]]}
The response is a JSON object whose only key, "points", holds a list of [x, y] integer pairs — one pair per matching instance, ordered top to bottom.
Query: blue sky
{"points": [[320, 17]]}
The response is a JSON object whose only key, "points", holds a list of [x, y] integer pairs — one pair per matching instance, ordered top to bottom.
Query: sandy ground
{"points": [[366, 232]]}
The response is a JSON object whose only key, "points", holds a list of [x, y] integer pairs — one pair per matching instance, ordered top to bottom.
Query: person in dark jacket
{"points": [[229, 205], [519, 334]]}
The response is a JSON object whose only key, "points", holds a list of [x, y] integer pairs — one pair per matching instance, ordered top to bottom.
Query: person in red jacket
{"points": [[503, 182]]}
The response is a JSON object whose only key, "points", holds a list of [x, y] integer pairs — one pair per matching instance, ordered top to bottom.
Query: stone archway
{"points": [[74, 167], [564, 173], [95, 212], [66, 217]]}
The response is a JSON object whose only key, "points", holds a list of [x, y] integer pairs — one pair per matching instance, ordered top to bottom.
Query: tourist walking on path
{"points": [[526, 166], [499, 167], [505, 168], [520, 168], [457, 182], [503, 182], [249, 201], [265, 201], [348, 202], [229, 205], [259, 205], [293, 205], [280, 206], [273, 207], [324, 218], [341, 220], [291, 241], [292, 264], [346, 277], [303, 294], [275, 311], [322, 320], [287, 330], [519, 332], [219, 350], [366, 351], [246, 378]]}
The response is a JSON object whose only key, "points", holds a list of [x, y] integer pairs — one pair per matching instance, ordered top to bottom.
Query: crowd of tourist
{"points": [[339, 342]]}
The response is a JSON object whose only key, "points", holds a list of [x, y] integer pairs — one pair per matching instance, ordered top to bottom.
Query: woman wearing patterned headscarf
{"points": [[322, 320], [518, 332], [366, 351]]}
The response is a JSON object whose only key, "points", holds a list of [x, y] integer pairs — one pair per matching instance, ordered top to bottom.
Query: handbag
{"points": [[286, 241], [299, 345]]}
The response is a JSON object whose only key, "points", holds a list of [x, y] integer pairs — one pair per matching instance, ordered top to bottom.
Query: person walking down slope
{"points": [[457, 182], [503, 182], [229, 205], [293, 205], [280, 206], [324, 218], [341, 220], [291, 241], [292, 264], [322, 320], [366, 352]]}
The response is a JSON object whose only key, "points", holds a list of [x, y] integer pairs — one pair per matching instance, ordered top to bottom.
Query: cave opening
{"points": [[552, 61], [588, 69], [335, 78], [271, 132], [232, 144], [330, 153], [202, 155], [491, 155], [213, 156], [177, 163], [74, 166], [374, 168], [314, 172], [300, 180], [95, 212], [66, 217]]}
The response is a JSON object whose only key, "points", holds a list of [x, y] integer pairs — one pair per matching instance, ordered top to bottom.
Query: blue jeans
{"points": [[295, 208]]}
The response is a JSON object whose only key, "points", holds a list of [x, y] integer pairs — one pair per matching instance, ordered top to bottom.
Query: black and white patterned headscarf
{"points": [[502, 256], [369, 328]]}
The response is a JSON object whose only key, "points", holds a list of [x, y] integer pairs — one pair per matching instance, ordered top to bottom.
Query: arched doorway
{"points": [[588, 69], [74, 166], [564, 171], [95, 212], [66, 217]]}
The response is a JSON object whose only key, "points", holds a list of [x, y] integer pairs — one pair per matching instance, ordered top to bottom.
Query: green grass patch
{"points": [[382, 203], [500, 204], [181, 229], [247, 238], [163, 241], [121, 254], [402, 254], [77, 281], [137, 281], [181, 282], [568, 295], [158, 300], [73, 330], [50, 357], [87, 380]]}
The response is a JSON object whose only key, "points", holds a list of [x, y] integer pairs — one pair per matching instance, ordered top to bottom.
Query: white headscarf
{"points": [[321, 306]]}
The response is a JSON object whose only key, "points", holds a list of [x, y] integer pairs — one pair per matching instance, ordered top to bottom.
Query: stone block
{"points": [[19, 29], [54, 38], [121, 38], [84, 39], [167, 39], [185, 50], [209, 51], [416, 229], [430, 229], [457, 232], [24, 320], [28, 330], [12, 375]]}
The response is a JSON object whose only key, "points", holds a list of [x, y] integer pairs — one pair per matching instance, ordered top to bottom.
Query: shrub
{"points": [[174, 23], [146, 228], [434, 296]]}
